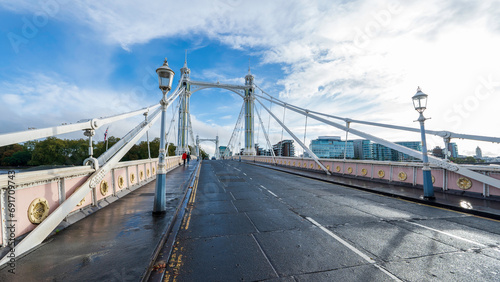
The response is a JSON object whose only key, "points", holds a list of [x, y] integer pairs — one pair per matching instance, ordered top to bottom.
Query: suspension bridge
{"points": [[247, 216]]}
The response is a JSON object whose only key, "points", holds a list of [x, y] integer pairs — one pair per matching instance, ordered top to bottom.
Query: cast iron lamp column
{"points": [[165, 76], [420, 104]]}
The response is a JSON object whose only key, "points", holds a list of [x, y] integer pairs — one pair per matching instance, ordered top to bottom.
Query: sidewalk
{"points": [[487, 207], [113, 244]]}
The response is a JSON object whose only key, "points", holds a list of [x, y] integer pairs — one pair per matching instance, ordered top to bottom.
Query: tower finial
{"points": [[185, 57], [249, 66]]}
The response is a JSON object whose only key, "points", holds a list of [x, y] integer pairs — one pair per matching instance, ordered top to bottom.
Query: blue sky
{"points": [[63, 61]]}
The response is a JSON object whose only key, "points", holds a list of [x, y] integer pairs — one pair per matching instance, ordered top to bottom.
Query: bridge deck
{"points": [[250, 223], [113, 244]]}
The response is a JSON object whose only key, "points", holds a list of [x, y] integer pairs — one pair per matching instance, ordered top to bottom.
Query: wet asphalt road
{"points": [[250, 223]]}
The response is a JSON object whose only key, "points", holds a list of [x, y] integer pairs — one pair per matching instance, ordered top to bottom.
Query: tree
{"points": [[50, 151], [7, 152], [203, 154], [20, 158]]}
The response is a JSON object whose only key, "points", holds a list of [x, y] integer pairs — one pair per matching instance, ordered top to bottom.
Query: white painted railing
{"points": [[36, 194]]}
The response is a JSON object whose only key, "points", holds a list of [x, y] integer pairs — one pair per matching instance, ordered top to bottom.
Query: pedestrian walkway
{"points": [[488, 207], [113, 244]]}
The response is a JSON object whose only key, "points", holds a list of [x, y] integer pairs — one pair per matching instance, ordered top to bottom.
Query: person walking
{"points": [[184, 157], [188, 157]]}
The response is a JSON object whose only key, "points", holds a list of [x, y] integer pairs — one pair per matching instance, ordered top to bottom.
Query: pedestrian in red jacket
{"points": [[184, 157]]}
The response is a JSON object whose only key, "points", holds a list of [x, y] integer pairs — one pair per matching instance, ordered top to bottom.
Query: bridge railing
{"points": [[398, 172], [36, 194]]}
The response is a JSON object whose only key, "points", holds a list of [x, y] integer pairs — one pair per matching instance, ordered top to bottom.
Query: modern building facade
{"points": [[415, 145], [332, 147], [284, 148], [363, 149], [453, 149], [224, 151], [479, 153]]}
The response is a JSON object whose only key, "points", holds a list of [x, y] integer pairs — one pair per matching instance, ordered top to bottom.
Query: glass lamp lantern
{"points": [[165, 76], [420, 101]]}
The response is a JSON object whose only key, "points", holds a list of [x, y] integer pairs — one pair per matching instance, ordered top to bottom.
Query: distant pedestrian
{"points": [[184, 157], [188, 157]]}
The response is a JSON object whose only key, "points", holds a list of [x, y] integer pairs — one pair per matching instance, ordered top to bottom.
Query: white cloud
{"points": [[359, 59]]}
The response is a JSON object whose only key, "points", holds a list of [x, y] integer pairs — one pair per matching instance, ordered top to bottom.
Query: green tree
{"points": [[51, 151], [7, 152], [20, 158]]}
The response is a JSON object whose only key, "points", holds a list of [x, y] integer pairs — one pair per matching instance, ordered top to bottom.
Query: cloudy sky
{"points": [[62, 61]]}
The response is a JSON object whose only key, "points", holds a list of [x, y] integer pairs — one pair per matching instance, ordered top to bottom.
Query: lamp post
{"points": [[165, 76], [420, 104]]}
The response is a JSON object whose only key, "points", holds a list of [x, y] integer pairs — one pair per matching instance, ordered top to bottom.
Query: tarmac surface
{"points": [[253, 224], [113, 244]]}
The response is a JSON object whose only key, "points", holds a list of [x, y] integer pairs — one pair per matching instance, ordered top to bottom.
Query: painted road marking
{"points": [[270, 192], [451, 235], [352, 248]]}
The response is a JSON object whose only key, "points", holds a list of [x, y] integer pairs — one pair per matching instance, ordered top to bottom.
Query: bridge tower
{"points": [[249, 117], [182, 138]]}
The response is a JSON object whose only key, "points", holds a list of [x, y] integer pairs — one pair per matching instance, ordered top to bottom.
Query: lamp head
{"points": [[165, 76], [420, 101]]}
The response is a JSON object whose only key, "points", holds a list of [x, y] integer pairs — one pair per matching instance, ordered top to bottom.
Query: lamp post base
{"points": [[428, 198], [159, 205], [158, 213]]}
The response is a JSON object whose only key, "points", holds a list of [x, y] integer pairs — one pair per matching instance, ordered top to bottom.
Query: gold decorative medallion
{"points": [[293, 163], [305, 164], [312, 165], [327, 167], [337, 168], [153, 170], [349, 170], [364, 171], [148, 173], [381, 173], [141, 175], [402, 176], [132, 178], [433, 179], [121, 182], [464, 183], [104, 187], [81, 203], [38, 210]]}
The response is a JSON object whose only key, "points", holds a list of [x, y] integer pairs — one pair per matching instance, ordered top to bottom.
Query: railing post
{"points": [[113, 182], [61, 187], [486, 187], [5, 233]]}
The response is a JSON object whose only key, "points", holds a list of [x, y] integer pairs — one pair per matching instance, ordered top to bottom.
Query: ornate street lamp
{"points": [[165, 77], [420, 104]]}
